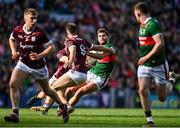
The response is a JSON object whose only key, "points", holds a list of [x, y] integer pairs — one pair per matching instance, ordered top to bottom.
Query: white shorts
{"points": [[158, 73], [38, 74], [78, 77], [52, 80], [99, 81]]}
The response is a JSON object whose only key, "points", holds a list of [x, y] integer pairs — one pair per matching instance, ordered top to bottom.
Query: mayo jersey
{"points": [[147, 43], [104, 67]]}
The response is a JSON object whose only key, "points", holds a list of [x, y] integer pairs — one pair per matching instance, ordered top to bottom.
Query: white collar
{"points": [[145, 22], [27, 32]]}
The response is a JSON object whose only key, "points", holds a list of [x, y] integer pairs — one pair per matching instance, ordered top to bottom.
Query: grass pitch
{"points": [[94, 118]]}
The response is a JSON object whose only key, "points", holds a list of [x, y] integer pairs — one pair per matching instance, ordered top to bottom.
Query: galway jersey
{"points": [[34, 41], [147, 43], [81, 45], [104, 67], [61, 70]]}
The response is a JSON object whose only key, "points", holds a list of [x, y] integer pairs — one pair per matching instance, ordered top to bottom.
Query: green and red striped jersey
{"points": [[147, 42], [104, 67]]}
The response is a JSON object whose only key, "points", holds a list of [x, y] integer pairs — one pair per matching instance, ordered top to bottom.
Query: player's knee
{"points": [[12, 85], [47, 91], [68, 91], [143, 92], [162, 99]]}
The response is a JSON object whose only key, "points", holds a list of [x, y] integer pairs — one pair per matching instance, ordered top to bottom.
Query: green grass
{"points": [[94, 118]]}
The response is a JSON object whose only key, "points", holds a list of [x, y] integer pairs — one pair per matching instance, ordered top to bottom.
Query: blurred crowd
{"points": [[116, 15]]}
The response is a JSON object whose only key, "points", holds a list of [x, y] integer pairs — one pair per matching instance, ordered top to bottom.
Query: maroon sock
{"points": [[16, 111]]}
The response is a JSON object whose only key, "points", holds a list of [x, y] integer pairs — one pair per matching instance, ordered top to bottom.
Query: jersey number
{"points": [[83, 50]]}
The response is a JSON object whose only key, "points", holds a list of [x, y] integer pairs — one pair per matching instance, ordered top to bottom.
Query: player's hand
{"points": [[15, 55], [34, 56], [63, 59], [142, 60], [67, 64]]}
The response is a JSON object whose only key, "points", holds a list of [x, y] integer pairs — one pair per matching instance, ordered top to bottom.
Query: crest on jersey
{"points": [[33, 38]]}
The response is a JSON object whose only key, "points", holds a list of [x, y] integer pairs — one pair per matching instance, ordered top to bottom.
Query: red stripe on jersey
{"points": [[146, 40], [109, 58]]}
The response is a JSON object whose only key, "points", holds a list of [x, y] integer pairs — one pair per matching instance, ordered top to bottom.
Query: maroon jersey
{"points": [[28, 42], [81, 48], [61, 53], [61, 70]]}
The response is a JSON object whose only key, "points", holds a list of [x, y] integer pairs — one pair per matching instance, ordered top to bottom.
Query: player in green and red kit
{"points": [[153, 66]]}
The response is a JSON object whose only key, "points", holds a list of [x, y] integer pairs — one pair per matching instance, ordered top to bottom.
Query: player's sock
{"points": [[172, 77], [172, 81], [45, 105], [70, 108], [16, 110], [149, 117]]}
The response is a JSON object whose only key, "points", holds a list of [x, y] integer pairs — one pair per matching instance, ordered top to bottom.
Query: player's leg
{"points": [[68, 79], [171, 80], [144, 81], [62, 82], [15, 83], [93, 83], [144, 84], [165, 87], [71, 90], [83, 90], [51, 93], [40, 95], [35, 98]]}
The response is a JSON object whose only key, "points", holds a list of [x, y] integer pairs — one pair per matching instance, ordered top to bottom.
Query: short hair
{"points": [[142, 7], [30, 11], [71, 28], [102, 30]]}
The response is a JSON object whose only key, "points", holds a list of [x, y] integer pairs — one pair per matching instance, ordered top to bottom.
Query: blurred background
{"points": [[118, 17]]}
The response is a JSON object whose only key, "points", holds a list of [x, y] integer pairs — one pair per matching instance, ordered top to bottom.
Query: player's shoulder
{"points": [[153, 22], [18, 28], [38, 28], [108, 44]]}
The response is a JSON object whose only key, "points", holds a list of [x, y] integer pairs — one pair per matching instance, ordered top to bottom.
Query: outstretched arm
{"points": [[104, 49], [97, 55]]}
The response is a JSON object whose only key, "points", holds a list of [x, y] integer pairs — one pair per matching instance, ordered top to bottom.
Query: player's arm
{"points": [[158, 38], [12, 44], [158, 46], [104, 49], [61, 55], [72, 55], [97, 55], [35, 56], [63, 59]]}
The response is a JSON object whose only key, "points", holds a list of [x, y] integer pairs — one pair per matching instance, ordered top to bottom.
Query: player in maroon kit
{"points": [[34, 45]]}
